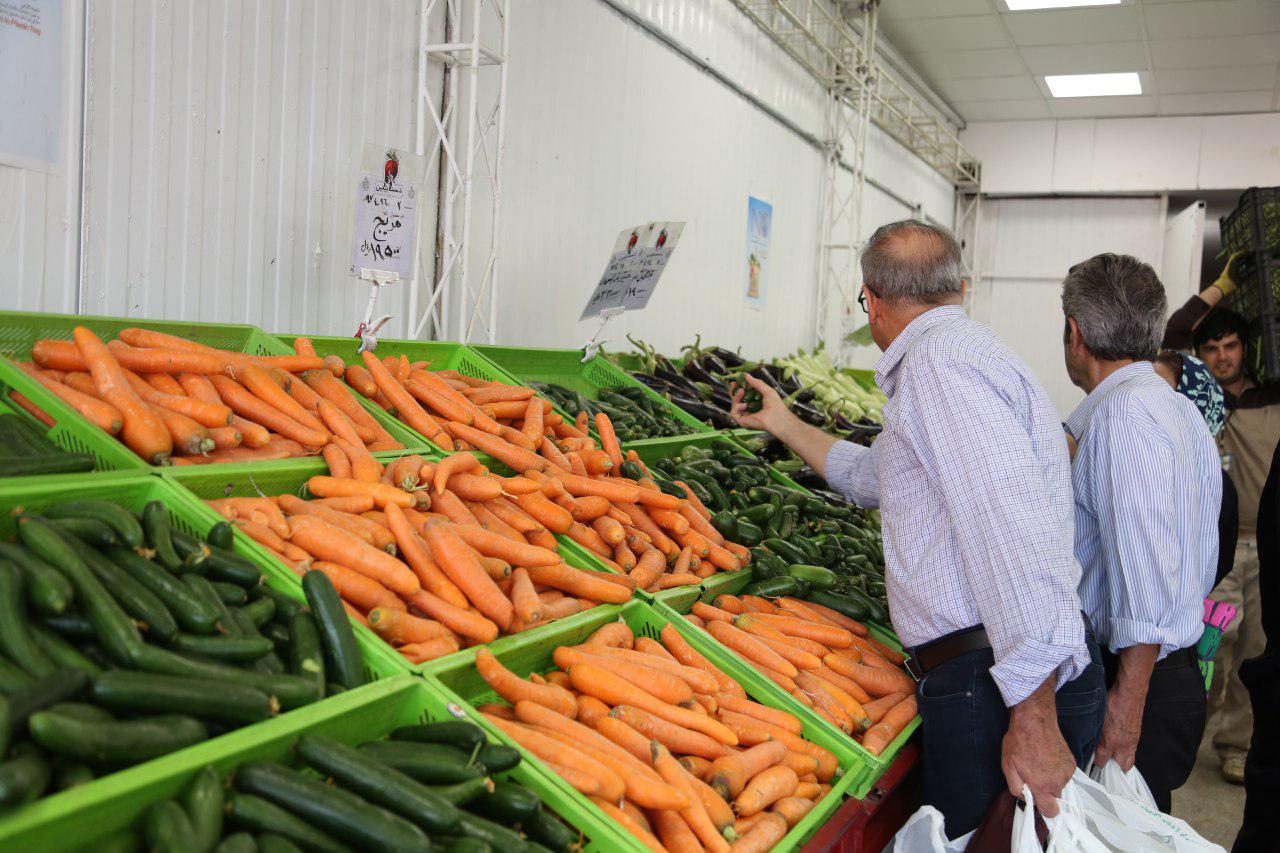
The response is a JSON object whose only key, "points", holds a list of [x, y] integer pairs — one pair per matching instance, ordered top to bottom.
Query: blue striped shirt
{"points": [[972, 476], [1148, 487]]}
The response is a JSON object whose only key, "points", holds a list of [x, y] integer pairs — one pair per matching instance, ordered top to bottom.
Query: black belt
{"points": [[937, 652]]}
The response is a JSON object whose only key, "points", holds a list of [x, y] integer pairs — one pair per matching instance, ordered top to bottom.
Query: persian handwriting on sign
{"points": [[385, 218], [639, 256]]}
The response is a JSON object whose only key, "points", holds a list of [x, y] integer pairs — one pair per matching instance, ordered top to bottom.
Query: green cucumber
{"points": [[58, 463], [124, 523], [726, 523], [155, 524], [88, 530], [748, 534], [220, 536], [191, 550], [789, 553], [229, 566], [817, 576], [773, 587], [202, 588], [48, 590], [230, 594], [138, 601], [286, 605], [845, 605], [260, 611], [192, 612], [71, 626], [116, 633], [15, 634], [279, 636], [337, 639], [221, 647], [62, 653], [306, 659], [270, 663], [13, 679], [62, 685], [289, 690], [148, 693], [83, 711], [457, 733], [115, 742], [497, 757], [430, 763], [72, 775], [23, 778], [377, 783], [461, 793], [203, 801], [507, 804], [331, 809], [259, 815], [168, 829], [548, 830], [497, 837], [240, 842], [271, 843], [462, 844]]}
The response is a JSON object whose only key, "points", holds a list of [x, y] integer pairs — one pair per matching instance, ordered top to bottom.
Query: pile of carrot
{"points": [[173, 401], [432, 557], [822, 658], [663, 741]]}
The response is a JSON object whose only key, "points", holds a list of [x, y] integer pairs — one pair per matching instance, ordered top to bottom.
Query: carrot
{"points": [[304, 347], [66, 356], [360, 379], [259, 383], [326, 386], [498, 393], [442, 405], [249, 406], [407, 408], [205, 413], [103, 415], [337, 422], [533, 424], [141, 429], [186, 435], [252, 435], [225, 437], [609, 439], [278, 447], [518, 458], [597, 462], [339, 464], [450, 465], [324, 486], [475, 488], [669, 520], [646, 525], [609, 530], [589, 539], [326, 542], [414, 552], [626, 559], [458, 562], [672, 580], [579, 582], [362, 591], [523, 597], [730, 603], [820, 613], [468, 623], [752, 625], [398, 627], [611, 634], [829, 635], [873, 645], [750, 647], [429, 650], [689, 656], [801, 659], [698, 680], [877, 682], [657, 683], [848, 685], [515, 689], [613, 690], [738, 704], [826, 705], [877, 709], [890, 726], [549, 748], [696, 765], [804, 765], [730, 773], [579, 781], [766, 788], [810, 790], [695, 815], [637, 830], [674, 832], [764, 834]]}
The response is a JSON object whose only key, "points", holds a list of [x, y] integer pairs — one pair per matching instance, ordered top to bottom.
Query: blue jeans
{"points": [[964, 720]]}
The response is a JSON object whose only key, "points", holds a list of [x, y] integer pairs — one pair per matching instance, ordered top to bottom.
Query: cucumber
{"points": [[58, 463], [124, 523], [155, 524], [88, 530], [220, 536], [191, 550], [790, 554], [231, 567], [816, 576], [773, 587], [203, 589], [48, 590], [229, 593], [138, 601], [286, 605], [845, 605], [190, 609], [259, 611], [71, 626], [115, 631], [15, 636], [279, 636], [337, 639], [221, 647], [62, 653], [270, 663], [13, 679], [59, 687], [289, 690], [147, 693], [83, 711], [6, 730], [458, 733], [115, 742], [497, 757], [431, 763], [71, 775], [23, 779], [377, 783], [461, 793], [203, 801], [508, 803], [331, 809], [259, 815], [168, 829], [548, 830], [497, 837], [124, 841], [240, 842], [272, 843], [463, 844]]}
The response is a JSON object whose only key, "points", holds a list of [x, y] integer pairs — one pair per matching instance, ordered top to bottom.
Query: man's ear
{"points": [[1074, 339]]}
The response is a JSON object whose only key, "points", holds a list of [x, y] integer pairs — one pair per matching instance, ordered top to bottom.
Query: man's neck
{"points": [[900, 316], [1099, 370], [1238, 387]]}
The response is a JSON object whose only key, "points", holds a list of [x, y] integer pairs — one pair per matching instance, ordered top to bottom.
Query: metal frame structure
{"points": [[468, 138], [968, 224]]}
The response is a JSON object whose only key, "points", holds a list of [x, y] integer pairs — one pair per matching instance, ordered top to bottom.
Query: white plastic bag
{"points": [[1123, 783], [1119, 823], [923, 833]]}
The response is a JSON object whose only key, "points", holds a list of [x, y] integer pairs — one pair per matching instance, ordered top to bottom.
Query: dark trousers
{"points": [[964, 720], [1172, 723], [1262, 768]]}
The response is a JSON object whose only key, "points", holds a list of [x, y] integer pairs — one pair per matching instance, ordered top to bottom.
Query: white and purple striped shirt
{"points": [[973, 479], [1148, 488]]}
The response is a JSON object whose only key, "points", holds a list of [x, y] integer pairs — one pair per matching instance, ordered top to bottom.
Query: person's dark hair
{"points": [[927, 270], [1119, 306], [1219, 323], [1171, 360]]}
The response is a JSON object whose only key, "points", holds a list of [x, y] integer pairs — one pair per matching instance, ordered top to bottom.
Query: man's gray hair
{"points": [[912, 261], [1118, 304]]}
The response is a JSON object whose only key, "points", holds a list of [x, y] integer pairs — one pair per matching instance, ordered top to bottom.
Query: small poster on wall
{"points": [[31, 77], [759, 232]]}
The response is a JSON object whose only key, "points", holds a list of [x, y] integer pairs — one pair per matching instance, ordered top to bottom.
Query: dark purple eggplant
{"points": [[728, 358], [713, 365], [694, 370], [705, 412]]}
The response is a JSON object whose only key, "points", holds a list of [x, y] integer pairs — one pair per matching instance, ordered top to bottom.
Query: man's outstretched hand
{"points": [[773, 414]]}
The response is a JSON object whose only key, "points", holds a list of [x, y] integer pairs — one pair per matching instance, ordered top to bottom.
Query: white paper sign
{"points": [[30, 83], [386, 212], [639, 256]]}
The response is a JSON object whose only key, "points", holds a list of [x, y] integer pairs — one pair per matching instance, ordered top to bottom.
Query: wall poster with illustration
{"points": [[759, 233]]}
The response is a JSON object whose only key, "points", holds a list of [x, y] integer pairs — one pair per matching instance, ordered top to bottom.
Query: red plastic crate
{"points": [[868, 825]]}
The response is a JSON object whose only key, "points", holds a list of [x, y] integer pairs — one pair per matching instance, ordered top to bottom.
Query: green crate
{"points": [[289, 477], [461, 680], [91, 813]]}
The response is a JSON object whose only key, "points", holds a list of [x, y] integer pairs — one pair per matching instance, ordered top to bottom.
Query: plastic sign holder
{"points": [[638, 260]]}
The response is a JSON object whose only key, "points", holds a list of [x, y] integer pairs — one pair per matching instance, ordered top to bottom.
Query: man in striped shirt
{"points": [[973, 480], [1147, 488]]}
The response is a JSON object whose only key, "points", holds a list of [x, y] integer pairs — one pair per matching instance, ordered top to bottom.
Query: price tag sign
{"points": [[385, 221], [639, 256]]}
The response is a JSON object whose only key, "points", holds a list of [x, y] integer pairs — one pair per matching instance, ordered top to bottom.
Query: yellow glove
{"points": [[1224, 282]]}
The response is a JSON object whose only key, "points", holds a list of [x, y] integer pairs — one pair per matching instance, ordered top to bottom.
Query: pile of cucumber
{"points": [[633, 413], [26, 451], [803, 545], [123, 639], [429, 787]]}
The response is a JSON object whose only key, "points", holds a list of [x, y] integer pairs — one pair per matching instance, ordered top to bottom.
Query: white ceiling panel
{"points": [[897, 10], [1212, 18], [1070, 26], [967, 33], [1214, 52], [1086, 58], [962, 64], [1196, 81], [990, 89], [1218, 103], [1134, 105], [1013, 110]]}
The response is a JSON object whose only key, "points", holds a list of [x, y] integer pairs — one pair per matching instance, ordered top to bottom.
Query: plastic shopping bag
{"points": [[1123, 783], [1119, 823], [923, 833]]}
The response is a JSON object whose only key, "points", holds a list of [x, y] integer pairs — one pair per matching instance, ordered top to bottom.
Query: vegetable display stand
{"points": [[566, 368], [290, 477], [460, 679], [868, 825]]}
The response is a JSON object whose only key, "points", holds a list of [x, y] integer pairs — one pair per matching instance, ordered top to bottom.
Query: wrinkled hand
{"points": [[773, 412], [1120, 731], [1035, 754]]}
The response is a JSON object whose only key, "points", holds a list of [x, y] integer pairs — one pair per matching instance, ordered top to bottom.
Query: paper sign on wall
{"points": [[31, 76], [388, 189], [759, 234], [639, 256]]}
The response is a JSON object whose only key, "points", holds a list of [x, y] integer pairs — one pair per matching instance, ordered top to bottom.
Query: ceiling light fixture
{"points": [[1027, 5], [1093, 85]]}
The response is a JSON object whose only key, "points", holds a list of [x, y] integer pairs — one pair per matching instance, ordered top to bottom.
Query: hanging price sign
{"points": [[639, 256]]}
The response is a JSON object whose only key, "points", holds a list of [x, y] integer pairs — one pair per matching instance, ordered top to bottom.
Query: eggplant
{"points": [[728, 358], [713, 365], [694, 370], [677, 381], [704, 412]]}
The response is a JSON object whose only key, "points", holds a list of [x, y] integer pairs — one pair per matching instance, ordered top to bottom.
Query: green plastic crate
{"points": [[289, 477], [460, 679], [93, 812]]}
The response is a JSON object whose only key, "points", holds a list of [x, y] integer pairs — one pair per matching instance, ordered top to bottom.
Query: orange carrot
{"points": [[66, 356], [259, 383], [249, 406], [407, 408], [205, 413], [102, 415], [336, 421], [142, 430], [187, 436], [225, 437], [609, 439], [518, 458], [339, 464], [450, 465], [326, 542], [495, 545], [414, 552], [458, 562], [580, 582], [362, 591], [527, 605], [468, 623], [399, 627], [611, 634], [829, 635], [750, 647], [429, 650], [689, 656], [877, 682], [659, 684], [515, 689], [612, 690], [741, 705], [878, 708], [879, 736], [677, 738], [549, 748], [731, 772], [766, 788], [696, 814], [637, 830], [674, 833], [763, 835]]}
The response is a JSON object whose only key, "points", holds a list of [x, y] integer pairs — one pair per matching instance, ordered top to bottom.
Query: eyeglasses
{"points": [[862, 298]]}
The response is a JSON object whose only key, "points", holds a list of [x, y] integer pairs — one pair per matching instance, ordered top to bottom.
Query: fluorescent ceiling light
{"points": [[1025, 5], [1093, 85]]}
